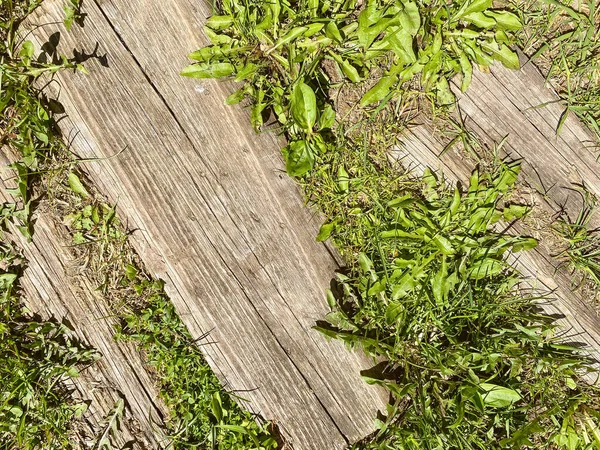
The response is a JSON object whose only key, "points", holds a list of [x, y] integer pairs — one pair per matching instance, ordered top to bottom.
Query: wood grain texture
{"points": [[518, 105], [215, 215], [52, 290]]}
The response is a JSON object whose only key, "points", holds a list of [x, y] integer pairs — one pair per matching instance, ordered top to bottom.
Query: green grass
{"points": [[582, 244], [39, 357], [472, 363], [203, 415]]}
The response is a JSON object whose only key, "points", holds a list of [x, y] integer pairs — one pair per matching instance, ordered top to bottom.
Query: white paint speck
{"points": [[199, 89]]}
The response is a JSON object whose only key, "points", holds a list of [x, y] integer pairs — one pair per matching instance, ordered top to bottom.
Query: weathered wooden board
{"points": [[505, 103], [518, 105], [216, 217], [51, 290]]}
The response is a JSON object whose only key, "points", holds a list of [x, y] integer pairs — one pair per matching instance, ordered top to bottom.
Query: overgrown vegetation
{"points": [[282, 52], [582, 244], [38, 356], [472, 363]]}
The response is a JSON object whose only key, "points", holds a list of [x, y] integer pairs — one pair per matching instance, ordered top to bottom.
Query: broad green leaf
{"points": [[473, 7], [410, 18], [480, 20], [506, 20], [218, 23], [313, 29], [332, 32], [289, 36], [217, 38], [401, 43], [27, 50], [502, 53], [466, 69], [217, 70], [349, 70], [246, 72], [378, 92], [236, 97], [445, 97], [304, 105], [327, 118], [299, 158], [508, 177], [342, 179], [77, 186], [512, 212], [325, 231], [443, 244], [525, 244], [365, 263], [486, 267], [438, 283], [404, 285], [331, 301], [393, 311], [498, 396], [216, 407]]}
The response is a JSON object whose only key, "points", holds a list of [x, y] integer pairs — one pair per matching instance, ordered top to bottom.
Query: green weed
{"points": [[563, 37], [281, 51], [26, 124], [582, 251], [472, 363]]}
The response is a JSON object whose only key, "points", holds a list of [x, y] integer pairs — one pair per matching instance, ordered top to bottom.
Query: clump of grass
{"points": [[563, 38], [282, 52], [26, 124], [582, 251], [38, 358], [472, 363]]}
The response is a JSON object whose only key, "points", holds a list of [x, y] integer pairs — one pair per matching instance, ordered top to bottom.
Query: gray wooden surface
{"points": [[216, 217], [52, 289]]}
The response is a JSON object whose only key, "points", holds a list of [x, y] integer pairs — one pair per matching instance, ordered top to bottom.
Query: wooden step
{"points": [[215, 215]]}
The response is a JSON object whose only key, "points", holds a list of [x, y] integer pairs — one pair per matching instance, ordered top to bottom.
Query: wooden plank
{"points": [[509, 103], [217, 218], [52, 291]]}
